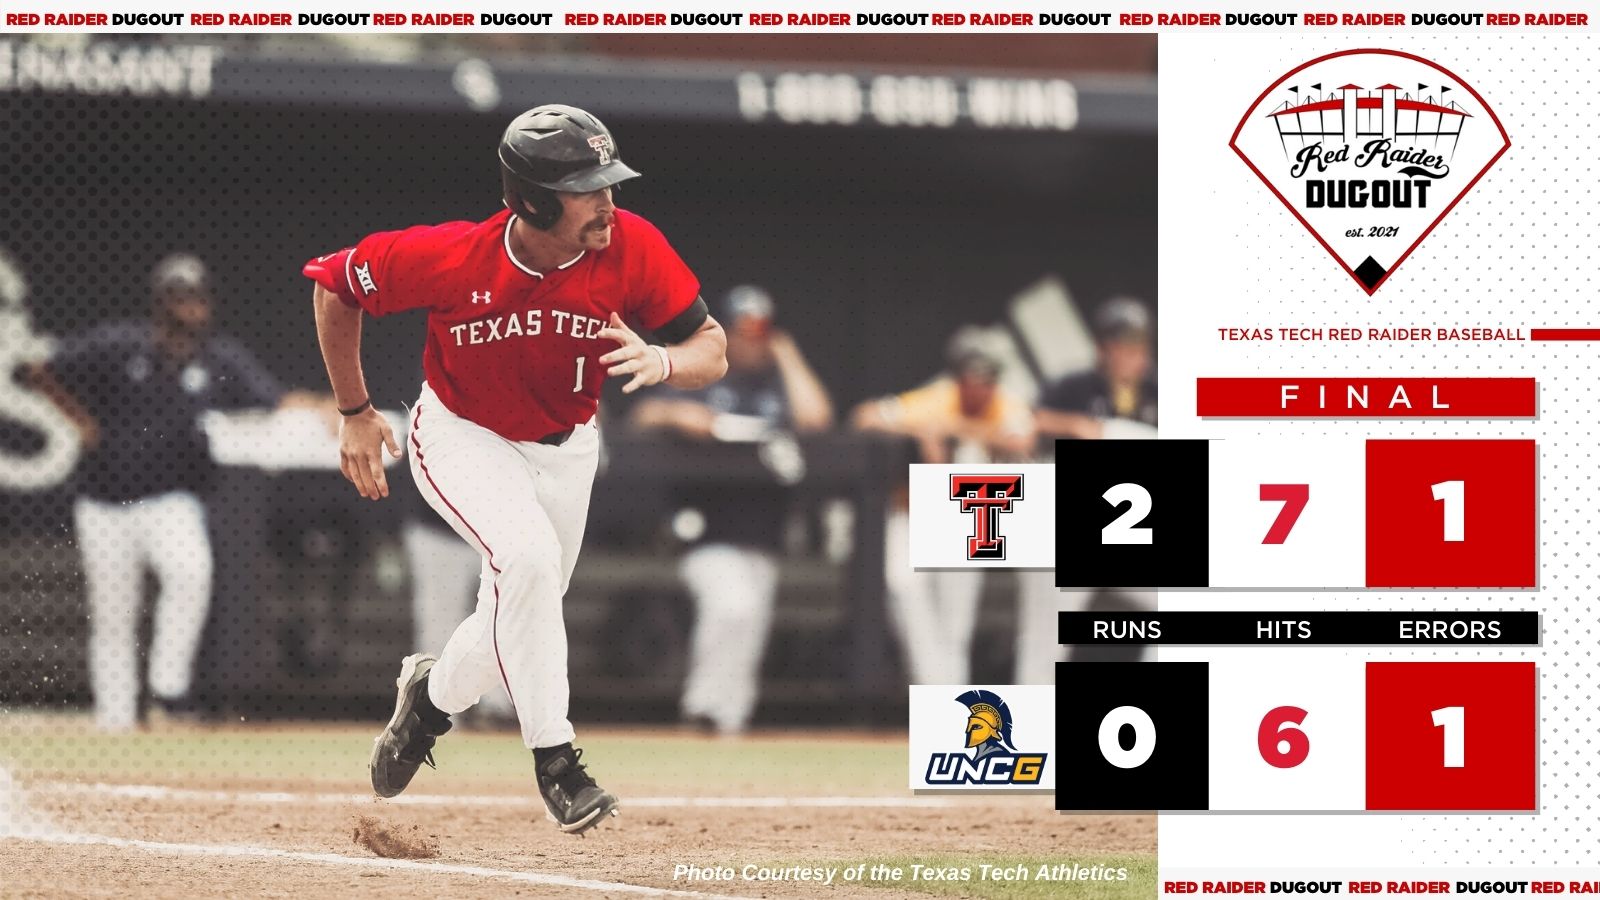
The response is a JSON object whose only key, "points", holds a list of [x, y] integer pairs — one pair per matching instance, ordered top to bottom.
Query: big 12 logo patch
{"points": [[1370, 149]]}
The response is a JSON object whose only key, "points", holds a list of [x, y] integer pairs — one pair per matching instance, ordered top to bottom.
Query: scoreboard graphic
{"points": [[1244, 513], [1282, 515], [1394, 607], [1193, 736]]}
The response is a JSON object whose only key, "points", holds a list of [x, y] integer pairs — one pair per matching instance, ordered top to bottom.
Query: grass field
{"points": [[272, 810]]}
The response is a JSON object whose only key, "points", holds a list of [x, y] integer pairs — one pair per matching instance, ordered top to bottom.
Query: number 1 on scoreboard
{"points": [[1454, 496], [1453, 719]]}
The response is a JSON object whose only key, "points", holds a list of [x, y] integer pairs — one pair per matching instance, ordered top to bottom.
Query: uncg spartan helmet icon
{"points": [[988, 723]]}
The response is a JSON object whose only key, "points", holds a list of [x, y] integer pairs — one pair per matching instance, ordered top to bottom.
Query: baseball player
{"points": [[528, 312], [1120, 386], [135, 391], [1115, 399], [964, 416], [732, 573]]}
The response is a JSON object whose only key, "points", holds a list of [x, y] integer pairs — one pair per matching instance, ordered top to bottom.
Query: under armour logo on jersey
{"points": [[601, 144], [364, 275], [480, 297]]}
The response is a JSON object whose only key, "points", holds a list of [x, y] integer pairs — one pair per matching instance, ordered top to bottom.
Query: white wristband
{"points": [[666, 362]]}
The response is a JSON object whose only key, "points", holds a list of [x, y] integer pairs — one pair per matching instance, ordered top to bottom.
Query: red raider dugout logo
{"points": [[1370, 149], [986, 497]]}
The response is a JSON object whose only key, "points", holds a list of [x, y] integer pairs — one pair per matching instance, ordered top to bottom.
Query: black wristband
{"points": [[358, 410]]}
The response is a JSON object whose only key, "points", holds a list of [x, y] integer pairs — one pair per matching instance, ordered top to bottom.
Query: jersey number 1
{"points": [[577, 383]]}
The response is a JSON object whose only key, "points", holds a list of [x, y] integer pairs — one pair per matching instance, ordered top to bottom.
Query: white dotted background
{"points": [[1518, 251]]}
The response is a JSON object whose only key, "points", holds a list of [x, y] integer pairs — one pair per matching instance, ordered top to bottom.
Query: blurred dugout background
{"points": [[885, 190]]}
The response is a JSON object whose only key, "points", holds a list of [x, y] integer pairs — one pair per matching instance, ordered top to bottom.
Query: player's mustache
{"points": [[602, 222]]}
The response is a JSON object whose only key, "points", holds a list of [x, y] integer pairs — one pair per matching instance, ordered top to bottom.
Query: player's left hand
{"points": [[633, 357]]}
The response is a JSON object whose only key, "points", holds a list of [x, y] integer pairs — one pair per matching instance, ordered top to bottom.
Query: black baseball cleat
{"points": [[407, 741], [571, 798]]}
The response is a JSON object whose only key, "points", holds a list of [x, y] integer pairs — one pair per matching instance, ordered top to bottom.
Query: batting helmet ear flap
{"points": [[538, 206]]}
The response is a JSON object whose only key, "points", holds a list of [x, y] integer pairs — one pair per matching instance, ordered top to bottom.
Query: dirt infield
{"points": [[192, 828]]}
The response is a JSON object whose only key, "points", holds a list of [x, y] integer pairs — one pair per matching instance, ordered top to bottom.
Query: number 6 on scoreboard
{"points": [[1282, 746]]}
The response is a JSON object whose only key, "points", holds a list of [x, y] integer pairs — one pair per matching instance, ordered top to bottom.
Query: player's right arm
{"points": [[386, 272], [73, 372], [40, 378], [363, 436]]}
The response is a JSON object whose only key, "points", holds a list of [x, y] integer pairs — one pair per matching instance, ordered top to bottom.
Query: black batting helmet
{"points": [[556, 148]]}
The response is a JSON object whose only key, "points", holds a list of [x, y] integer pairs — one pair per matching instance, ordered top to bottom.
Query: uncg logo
{"points": [[993, 760]]}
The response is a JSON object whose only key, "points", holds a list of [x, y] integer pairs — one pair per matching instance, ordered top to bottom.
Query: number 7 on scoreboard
{"points": [[1294, 498]]}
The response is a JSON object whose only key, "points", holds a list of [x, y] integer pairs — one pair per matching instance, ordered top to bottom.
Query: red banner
{"points": [[1291, 397]]}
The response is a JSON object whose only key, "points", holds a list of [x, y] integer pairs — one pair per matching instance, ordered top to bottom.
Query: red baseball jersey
{"points": [[509, 348]]}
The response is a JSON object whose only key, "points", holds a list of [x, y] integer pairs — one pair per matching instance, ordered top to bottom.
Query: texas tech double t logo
{"points": [[986, 497]]}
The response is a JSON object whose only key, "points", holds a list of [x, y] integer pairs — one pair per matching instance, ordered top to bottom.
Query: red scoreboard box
{"points": [[1452, 513], [1452, 736]]}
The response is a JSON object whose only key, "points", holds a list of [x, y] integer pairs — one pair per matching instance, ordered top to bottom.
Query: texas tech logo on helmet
{"points": [[601, 145], [1370, 149], [986, 497]]}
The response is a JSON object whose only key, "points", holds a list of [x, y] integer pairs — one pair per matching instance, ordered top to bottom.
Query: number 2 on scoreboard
{"points": [[1125, 529]]}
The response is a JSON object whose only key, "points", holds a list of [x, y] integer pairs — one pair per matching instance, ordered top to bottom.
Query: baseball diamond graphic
{"points": [[1369, 172]]}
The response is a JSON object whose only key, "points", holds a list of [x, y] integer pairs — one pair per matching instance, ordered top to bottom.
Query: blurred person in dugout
{"points": [[135, 391], [1116, 400], [963, 416], [732, 572]]}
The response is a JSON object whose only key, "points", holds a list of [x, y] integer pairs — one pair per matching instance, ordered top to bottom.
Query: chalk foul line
{"points": [[242, 851]]}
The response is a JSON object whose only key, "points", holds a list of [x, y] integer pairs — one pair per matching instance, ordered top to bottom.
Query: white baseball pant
{"points": [[523, 506], [118, 541], [446, 577], [734, 590], [934, 613]]}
